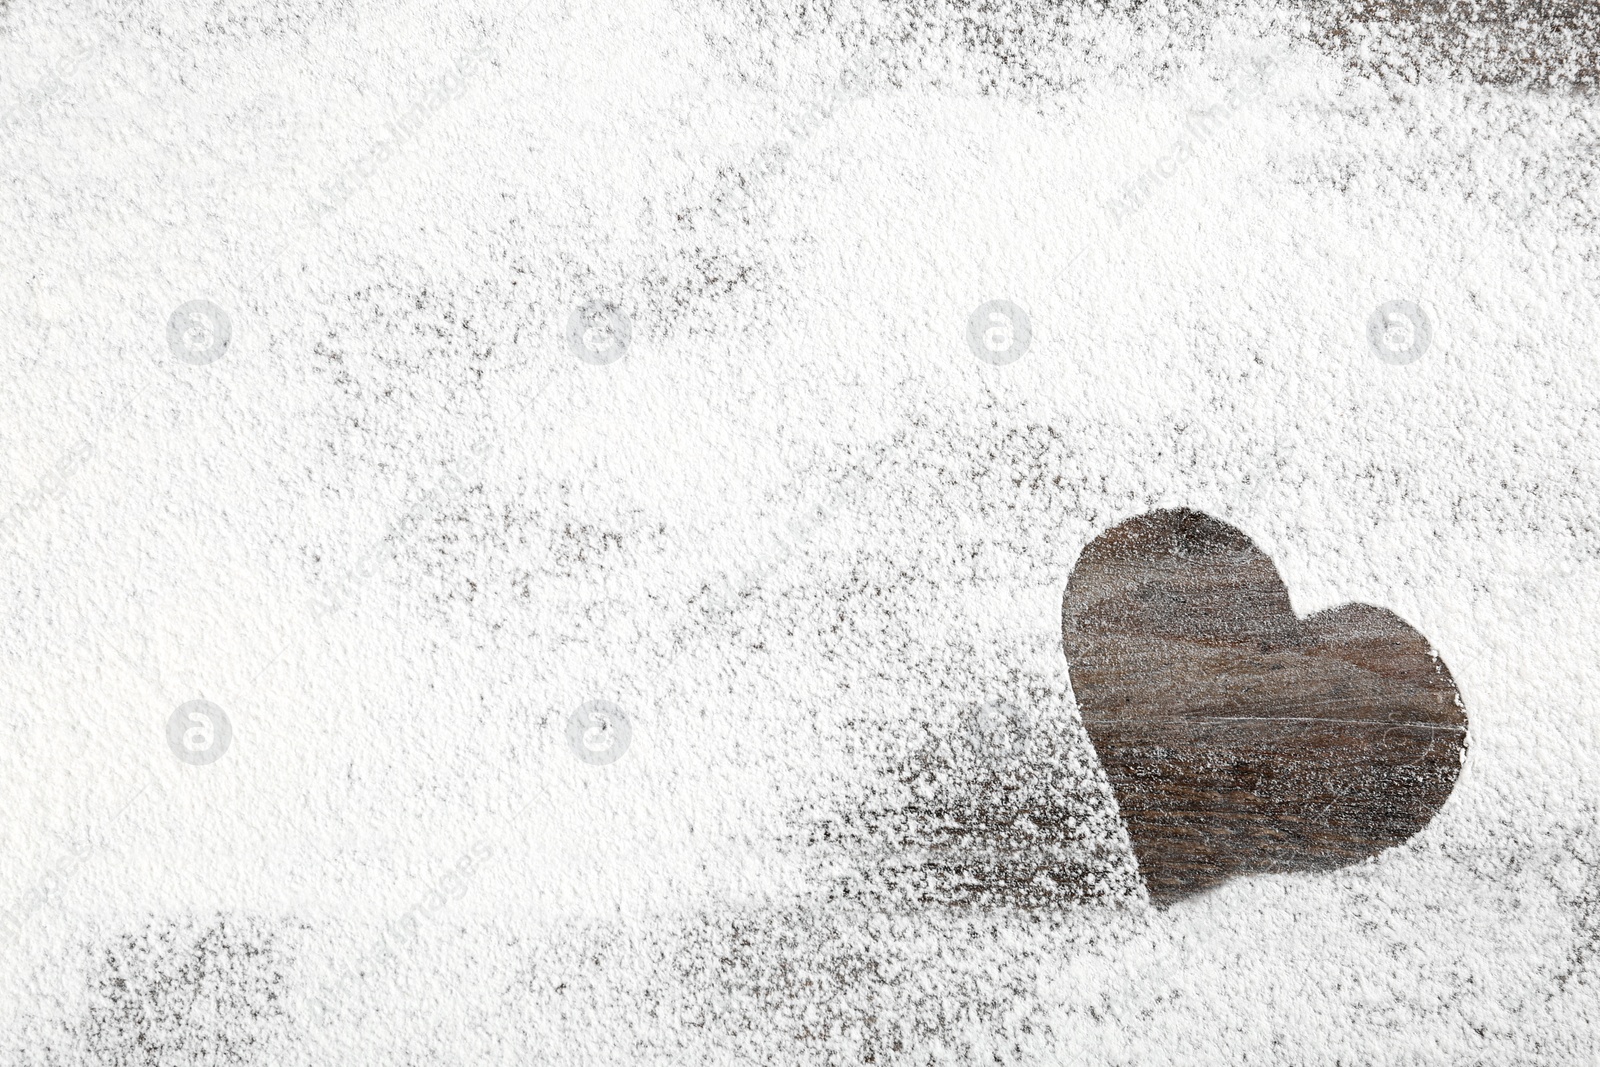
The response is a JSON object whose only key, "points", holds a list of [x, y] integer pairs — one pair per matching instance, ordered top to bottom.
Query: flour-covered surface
{"points": [[585, 586]]}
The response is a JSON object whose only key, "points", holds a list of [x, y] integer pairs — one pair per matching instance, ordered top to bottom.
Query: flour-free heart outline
{"points": [[1238, 737]]}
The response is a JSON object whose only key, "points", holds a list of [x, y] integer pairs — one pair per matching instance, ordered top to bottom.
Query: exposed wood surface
{"points": [[1554, 43], [1239, 738]]}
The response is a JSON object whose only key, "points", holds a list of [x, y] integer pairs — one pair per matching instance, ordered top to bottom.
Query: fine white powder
{"points": [[413, 518]]}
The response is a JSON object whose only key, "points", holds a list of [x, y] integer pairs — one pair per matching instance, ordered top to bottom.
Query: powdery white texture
{"points": [[795, 523]]}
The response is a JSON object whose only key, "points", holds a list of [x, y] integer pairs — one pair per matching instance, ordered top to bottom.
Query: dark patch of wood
{"points": [[1544, 43], [1552, 45], [1239, 738], [988, 811], [186, 991]]}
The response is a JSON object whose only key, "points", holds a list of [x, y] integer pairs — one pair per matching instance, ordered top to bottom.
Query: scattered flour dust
{"points": [[807, 542]]}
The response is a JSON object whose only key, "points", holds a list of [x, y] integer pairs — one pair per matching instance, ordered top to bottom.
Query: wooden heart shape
{"points": [[1238, 737]]}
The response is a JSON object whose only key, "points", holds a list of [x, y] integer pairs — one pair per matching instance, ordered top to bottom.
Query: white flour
{"points": [[398, 533]]}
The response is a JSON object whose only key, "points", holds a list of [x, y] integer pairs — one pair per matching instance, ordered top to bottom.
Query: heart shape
{"points": [[1238, 737]]}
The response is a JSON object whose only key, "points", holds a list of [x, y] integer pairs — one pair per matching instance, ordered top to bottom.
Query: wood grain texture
{"points": [[1238, 737]]}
